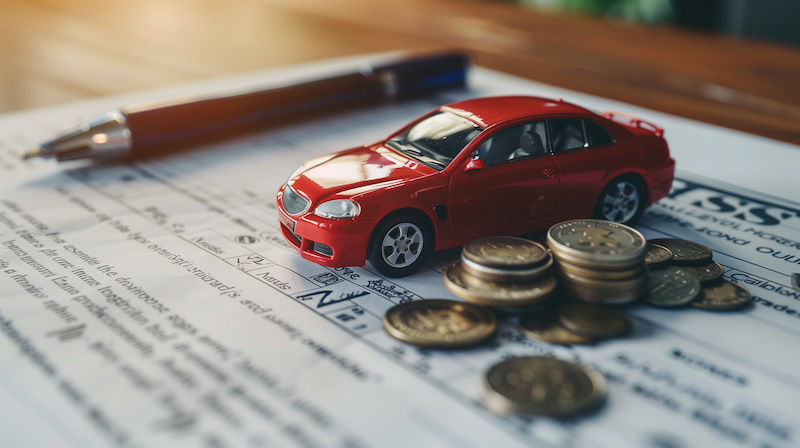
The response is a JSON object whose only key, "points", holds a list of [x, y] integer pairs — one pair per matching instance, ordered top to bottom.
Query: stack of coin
{"points": [[599, 261], [502, 271], [691, 277], [538, 385]]}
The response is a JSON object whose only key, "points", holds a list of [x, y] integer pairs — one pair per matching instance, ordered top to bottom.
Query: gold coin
{"points": [[597, 242], [505, 252], [685, 252], [657, 255], [594, 264], [707, 273], [606, 274], [508, 275], [629, 283], [672, 287], [609, 290], [491, 293], [726, 295], [608, 297], [540, 307], [594, 320], [439, 323], [547, 327], [539, 385]]}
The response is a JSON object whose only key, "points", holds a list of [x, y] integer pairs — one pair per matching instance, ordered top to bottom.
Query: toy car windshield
{"points": [[437, 139]]}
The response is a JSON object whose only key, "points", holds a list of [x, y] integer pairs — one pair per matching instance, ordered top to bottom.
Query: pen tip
{"points": [[32, 153]]}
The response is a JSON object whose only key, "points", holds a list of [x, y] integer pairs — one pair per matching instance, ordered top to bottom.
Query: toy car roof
{"points": [[492, 110]]}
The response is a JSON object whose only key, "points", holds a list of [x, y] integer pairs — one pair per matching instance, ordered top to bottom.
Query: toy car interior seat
{"points": [[530, 144]]}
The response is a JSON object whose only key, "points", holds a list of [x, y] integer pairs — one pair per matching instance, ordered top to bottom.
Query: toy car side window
{"points": [[566, 134], [596, 135], [516, 142]]}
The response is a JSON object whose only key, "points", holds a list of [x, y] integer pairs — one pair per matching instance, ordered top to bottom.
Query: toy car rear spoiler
{"points": [[632, 121]]}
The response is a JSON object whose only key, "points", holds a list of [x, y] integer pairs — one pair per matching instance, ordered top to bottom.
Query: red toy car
{"points": [[486, 166]]}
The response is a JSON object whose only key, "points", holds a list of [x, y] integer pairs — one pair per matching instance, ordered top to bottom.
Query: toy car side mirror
{"points": [[475, 164]]}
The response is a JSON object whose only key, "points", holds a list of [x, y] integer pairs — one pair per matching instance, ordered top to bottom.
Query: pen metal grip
{"points": [[160, 128]]}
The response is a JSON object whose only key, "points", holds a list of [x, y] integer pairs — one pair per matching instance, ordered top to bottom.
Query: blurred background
{"points": [[774, 20], [734, 63]]}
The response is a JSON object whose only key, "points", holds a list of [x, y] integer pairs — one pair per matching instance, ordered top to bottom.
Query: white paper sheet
{"points": [[156, 304]]}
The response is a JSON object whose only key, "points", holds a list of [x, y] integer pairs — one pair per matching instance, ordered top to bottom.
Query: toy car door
{"points": [[514, 183]]}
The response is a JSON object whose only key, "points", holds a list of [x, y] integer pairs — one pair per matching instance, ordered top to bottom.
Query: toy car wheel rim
{"points": [[621, 202], [402, 245]]}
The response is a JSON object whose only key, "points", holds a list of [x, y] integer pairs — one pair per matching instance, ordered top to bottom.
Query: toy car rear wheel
{"points": [[623, 200], [400, 245]]}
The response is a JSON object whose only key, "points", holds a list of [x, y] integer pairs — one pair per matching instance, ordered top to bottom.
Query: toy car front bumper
{"points": [[329, 242]]}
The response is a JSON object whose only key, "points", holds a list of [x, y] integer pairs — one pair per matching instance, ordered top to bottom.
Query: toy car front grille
{"points": [[293, 203], [323, 249]]}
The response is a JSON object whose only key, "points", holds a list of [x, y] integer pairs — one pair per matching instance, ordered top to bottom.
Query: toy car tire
{"points": [[623, 200], [400, 244]]}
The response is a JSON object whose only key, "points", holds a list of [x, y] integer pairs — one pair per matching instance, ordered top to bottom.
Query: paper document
{"points": [[157, 304]]}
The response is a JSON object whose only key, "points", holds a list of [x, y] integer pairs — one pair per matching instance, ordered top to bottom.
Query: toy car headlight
{"points": [[338, 209]]}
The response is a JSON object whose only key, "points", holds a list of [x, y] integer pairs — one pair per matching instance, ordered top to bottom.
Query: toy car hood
{"points": [[358, 170]]}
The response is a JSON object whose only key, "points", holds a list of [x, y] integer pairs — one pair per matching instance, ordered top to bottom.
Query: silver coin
{"points": [[672, 287]]}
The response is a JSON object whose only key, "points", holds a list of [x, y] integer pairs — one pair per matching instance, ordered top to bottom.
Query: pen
{"points": [[149, 129]]}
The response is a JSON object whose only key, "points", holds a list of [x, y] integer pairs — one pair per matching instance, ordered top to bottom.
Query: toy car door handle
{"points": [[549, 172]]}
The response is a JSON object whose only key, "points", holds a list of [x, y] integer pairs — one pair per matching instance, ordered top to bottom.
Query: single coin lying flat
{"points": [[657, 255], [708, 273], [672, 287], [724, 296], [595, 320], [439, 323], [546, 326], [538, 385]]}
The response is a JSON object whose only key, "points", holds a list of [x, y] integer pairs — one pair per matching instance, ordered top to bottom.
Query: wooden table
{"points": [[54, 51]]}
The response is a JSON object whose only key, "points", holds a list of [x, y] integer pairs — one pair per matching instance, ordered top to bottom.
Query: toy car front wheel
{"points": [[623, 200], [400, 245]]}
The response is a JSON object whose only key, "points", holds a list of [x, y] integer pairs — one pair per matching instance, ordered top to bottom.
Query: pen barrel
{"points": [[153, 128], [158, 128]]}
